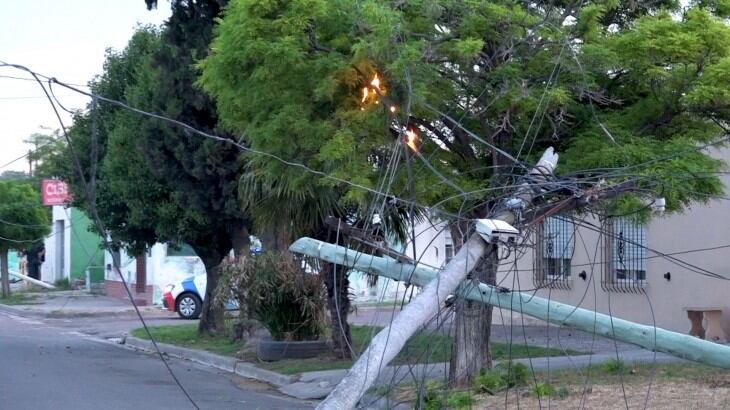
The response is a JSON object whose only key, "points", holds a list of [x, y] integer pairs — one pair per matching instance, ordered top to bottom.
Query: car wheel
{"points": [[189, 306]]}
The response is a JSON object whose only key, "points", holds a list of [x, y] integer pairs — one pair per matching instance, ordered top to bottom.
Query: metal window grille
{"points": [[555, 243], [624, 267]]}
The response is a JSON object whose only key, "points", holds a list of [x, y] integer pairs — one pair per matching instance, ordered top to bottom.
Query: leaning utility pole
{"points": [[437, 285], [649, 337], [389, 341]]}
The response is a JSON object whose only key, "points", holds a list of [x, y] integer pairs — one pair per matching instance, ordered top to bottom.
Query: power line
{"points": [[10, 77], [29, 97], [32, 151], [299, 165], [100, 225]]}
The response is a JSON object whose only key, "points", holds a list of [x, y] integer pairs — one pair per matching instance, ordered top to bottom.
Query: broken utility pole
{"points": [[652, 338], [389, 341]]}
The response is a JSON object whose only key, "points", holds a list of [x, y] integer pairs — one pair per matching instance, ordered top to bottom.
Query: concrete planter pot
{"points": [[272, 350]]}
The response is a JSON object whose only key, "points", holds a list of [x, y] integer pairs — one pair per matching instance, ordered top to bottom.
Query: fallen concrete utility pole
{"points": [[31, 280], [389, 341], [677, 344]]}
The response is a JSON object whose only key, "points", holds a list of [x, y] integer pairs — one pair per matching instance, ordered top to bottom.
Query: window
{"points": [[555, 243], [448, 247], [449, 252], [624, 267]]}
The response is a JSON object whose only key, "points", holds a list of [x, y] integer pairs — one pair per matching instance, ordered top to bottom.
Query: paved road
{"points": [[106, 328], [43, 366]]}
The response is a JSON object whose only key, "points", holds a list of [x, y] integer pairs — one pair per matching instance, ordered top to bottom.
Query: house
{"points": [[433, 248], [71, 249], [643, 273]]}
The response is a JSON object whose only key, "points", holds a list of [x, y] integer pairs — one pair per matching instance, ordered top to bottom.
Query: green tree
{"points": [[610, 84], [44, 147], [13, 175], [155, 182], [23, 221]]}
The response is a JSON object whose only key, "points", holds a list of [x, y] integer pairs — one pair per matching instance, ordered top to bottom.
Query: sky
{"points": [[63, 39]]}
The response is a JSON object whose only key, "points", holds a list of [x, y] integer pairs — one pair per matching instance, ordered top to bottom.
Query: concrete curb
{"points": [[16, 311], [61, 314], [228, 364], [317, 384]]}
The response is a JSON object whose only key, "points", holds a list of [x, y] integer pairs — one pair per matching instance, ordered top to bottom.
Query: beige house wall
{"points": [[704, 226], [663, 300]]}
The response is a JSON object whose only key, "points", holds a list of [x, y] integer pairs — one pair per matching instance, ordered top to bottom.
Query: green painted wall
{"points": [[85, 249], [13, 261]]}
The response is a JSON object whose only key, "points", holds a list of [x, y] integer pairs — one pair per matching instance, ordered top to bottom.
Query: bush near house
{"points": [[274, 289], [289, 302]]}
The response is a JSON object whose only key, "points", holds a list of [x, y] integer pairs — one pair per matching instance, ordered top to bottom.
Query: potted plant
{"points": [[290, 303]]}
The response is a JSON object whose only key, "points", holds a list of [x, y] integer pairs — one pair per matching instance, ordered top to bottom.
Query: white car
{"points": [[186, 296]]}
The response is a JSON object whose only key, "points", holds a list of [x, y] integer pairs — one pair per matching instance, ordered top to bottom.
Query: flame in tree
{"points": [[372, 91], [412, 140]]}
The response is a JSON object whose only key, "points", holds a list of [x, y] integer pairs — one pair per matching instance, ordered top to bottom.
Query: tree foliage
{"points": [[609, 84], [623, 90], [156, 182], [23, 221]]}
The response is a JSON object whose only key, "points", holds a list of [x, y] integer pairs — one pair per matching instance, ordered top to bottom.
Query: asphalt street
{"points": [[47, 366]]}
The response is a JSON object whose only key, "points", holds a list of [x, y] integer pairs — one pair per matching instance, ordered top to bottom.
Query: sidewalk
{"points": [[77, 303], [532, 332], [318, 384]]}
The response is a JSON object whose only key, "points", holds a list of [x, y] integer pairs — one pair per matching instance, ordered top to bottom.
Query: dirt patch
{"points": [[714, 394]]}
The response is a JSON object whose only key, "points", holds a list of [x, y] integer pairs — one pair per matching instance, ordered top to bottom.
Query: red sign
{"points": [[55, 192]]}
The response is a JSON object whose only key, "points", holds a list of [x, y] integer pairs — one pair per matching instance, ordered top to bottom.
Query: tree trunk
{"points": [[275, 238], [241, 241], [5, 274], [338, 303], [211, 318], [389, 341], [470, 352]]}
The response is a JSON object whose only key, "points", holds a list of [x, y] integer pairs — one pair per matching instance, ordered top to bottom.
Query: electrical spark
{"points": [[412, 140]]}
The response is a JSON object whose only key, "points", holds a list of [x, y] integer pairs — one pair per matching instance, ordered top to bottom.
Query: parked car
{"points": [[186, 296]]}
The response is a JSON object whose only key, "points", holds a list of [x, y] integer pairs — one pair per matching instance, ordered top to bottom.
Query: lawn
{"points": [[19, 298], [187, 336], [424, 347], [611, 385]]}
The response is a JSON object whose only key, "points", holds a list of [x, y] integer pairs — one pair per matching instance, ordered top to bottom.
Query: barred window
{"points": [[555, 243], [624, 267]]}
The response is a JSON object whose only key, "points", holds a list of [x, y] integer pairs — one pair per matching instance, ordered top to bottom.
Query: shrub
{"points": [[234, 283], [62, 284], [288, 301], [614, 366], [515, 374], [504, 375], [489, 382], [547, 389], [544, 390], [434, 396], [459, 400]]}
